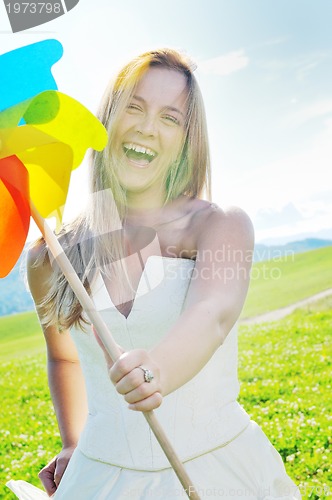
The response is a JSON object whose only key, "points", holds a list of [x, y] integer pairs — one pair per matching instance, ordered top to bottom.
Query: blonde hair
{"points": [[90, 241]]}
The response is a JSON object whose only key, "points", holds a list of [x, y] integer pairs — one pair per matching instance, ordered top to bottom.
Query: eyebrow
{"points": [[170, 108]]}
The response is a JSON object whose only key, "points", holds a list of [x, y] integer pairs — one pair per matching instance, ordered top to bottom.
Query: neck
{"points": [[143, 204], [149, 211]]}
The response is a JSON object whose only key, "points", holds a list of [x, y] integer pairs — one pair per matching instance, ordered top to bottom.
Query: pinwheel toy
{"points": [[44, 135], [42, 139]]}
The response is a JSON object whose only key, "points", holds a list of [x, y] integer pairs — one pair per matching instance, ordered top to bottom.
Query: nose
{"points": [[146, 125]]}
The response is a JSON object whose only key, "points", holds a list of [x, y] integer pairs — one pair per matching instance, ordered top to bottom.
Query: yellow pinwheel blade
{"points": [[60, 117], [73, 124], [19, 139], [53, 141], [48, 177]]}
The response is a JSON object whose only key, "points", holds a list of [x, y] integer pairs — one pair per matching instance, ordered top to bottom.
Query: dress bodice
{"points": [[199, 416]]}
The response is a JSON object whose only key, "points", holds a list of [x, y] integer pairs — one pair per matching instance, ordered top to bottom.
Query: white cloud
{"points": [[274, 41], [224, 65], [301, 65], [309, 112], [294, 178], [302, 180], [271, 217], [291, 220], [319, 227]]}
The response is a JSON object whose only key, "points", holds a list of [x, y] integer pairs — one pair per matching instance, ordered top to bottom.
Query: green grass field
{"points": [[280, 282], [20, 335], [284, 370], [285, 375]]}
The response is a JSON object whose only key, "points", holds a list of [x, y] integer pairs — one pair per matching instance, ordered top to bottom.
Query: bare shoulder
{"points": [[231, 218], [231, 225]]}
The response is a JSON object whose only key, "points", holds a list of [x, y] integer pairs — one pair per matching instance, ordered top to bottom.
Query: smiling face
{"points": [[150, 132]]}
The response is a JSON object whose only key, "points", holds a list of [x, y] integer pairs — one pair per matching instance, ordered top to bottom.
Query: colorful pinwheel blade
{"points": [[26, 71], [40, 109], [67, 120], [43, 136], [19, 139], [54, 140], [49, 170], [14, 210]]}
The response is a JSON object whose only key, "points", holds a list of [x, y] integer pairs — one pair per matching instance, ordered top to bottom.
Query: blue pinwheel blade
{"points": [[26, 71]]}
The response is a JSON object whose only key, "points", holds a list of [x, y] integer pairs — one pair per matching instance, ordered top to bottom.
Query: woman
{"points": [[169, 273]]}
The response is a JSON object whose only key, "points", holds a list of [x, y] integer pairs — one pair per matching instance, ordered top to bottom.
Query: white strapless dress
{"points": [[224, 452]]}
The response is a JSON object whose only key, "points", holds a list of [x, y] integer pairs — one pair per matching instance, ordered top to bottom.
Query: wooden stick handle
{"points": [[109, 343], [170, 453]]}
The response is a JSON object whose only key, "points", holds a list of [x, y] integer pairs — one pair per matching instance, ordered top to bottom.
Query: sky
{"points": [[265, 71]]}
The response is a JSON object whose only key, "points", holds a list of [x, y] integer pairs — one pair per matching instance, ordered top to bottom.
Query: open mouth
{"points": [[139, 154]]}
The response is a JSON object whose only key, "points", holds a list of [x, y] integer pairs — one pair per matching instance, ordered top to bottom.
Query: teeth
{"points": [[139, 149]]}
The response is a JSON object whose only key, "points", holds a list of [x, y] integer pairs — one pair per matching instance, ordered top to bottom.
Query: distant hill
{"points": [[322, 234], [273, 252]]}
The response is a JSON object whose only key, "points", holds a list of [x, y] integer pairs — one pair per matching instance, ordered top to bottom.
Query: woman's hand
{"points": [[129, 379], [52, 473]]}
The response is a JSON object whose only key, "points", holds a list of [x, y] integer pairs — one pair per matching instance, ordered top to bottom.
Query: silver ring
{"points": [[148, 375]]}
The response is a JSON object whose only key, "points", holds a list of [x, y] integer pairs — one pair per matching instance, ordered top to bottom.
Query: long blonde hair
{"points": [[89, 240]]}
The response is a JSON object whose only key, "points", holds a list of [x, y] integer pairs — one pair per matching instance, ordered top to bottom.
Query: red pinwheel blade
{"points": [[14, 212]]}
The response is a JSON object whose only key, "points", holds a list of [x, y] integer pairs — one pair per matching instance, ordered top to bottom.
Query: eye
{"points": [[134, 108], [171, 119]]}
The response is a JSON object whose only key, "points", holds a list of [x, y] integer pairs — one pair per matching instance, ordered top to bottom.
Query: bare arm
{"points": [[214, 301], [213, 304], [65, 380]]}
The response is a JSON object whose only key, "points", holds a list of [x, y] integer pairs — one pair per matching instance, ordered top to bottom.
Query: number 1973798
{"points": [[33, 8]]}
